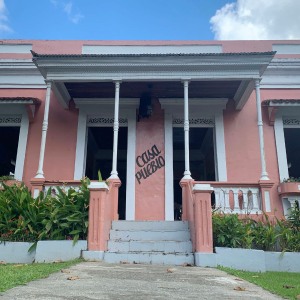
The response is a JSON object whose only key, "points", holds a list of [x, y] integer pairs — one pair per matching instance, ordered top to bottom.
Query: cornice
{"points": [[199, 66], [20, 73]]}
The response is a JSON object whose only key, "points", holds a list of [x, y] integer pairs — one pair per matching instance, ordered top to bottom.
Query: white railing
{"points": [[65, 186], [238, 199]]}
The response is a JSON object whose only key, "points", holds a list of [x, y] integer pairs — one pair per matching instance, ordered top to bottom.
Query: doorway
{"points": [[292, 145], [8, 150], [99, 158], [202, 160]]}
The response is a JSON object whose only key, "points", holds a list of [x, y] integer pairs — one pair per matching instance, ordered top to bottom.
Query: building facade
{"points": [[223, 115]]}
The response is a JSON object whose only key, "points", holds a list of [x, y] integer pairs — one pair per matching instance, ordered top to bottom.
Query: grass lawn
{"points": [[18, 274], [283, 284]]}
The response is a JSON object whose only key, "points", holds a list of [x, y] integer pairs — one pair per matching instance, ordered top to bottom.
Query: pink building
{"points": [[180, 123]]}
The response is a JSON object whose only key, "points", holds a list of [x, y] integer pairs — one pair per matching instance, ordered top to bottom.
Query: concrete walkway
{"points": [[94, 280]]}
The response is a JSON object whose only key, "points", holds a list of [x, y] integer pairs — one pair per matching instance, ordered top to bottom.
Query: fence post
{"points": [[37, 186], [97, 216], [203, 218]]}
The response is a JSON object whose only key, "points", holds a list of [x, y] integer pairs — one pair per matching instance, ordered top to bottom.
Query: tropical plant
{"points": [[20, 214], [66, 214], [49, 216], [230, 231], [265, 234], [289, 239]]}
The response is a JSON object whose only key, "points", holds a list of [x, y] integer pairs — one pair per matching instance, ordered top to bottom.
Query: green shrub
{"points": [[20, 214], [66, 214], [49, 216], [230, 231], [265, 234], [278, 235], [289, 239]]}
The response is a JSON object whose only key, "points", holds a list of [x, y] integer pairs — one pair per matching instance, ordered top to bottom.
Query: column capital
{"points": [[117, 81], [185, 81], [257, 82], [48, 83]]}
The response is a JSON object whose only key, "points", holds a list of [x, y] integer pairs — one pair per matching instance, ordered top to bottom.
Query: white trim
{"points": [[15, 48], [286, 48], [151, 49], [20, 73], [282, 73], [61, 94], [105, 108], [201, 108], [18, 111], [186, 128], [280, 139], [22, 146], [80, 146], [131, 149], [220, 149], [40, 171], [114, 172], [264, 174], [169, 192], [267, 202]]}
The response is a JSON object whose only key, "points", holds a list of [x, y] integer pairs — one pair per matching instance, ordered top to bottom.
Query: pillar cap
{"points": [[97, 185], [202, 187]]}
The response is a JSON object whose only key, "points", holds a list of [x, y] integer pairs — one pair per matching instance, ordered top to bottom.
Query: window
{"points": [[14, 125], [292, 146], [8, 149]]}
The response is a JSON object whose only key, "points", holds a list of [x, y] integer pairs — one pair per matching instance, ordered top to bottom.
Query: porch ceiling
{"points": [[212, 75], [159, 89]]}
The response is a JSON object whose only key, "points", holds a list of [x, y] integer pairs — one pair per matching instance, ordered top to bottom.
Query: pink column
{"points": [[114, 184], [37, 185], [265, 190], [203, 218], [97, 240]]}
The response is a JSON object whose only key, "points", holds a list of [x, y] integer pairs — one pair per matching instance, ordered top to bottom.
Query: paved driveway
{"points": [[94, 280]]}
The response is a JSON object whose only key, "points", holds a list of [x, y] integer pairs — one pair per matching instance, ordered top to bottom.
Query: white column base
{"points": [[93, 255], [205, 259]]}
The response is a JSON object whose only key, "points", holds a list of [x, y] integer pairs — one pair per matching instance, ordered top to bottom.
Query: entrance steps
{"points": [[150, 242]]}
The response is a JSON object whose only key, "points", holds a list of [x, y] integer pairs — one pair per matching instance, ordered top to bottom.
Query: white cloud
{"points": [[68, 9], [76, 18], [257, 20], [4, 26]]}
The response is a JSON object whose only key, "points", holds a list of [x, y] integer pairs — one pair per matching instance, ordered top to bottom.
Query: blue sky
{"points": [[149, 19]]}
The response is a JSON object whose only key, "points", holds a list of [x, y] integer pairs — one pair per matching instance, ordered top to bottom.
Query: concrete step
{"points": [[150, 225], [127, 235], [150, 246], [149, 258]]}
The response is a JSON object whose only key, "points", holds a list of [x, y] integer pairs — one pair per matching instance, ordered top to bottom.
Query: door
{"points": [[99, 158]]}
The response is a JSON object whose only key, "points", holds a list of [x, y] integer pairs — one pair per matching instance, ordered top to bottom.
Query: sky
{"points": [[150, 19]]}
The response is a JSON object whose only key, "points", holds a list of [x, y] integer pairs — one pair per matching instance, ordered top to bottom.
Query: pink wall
{"points": [[75, 46], [34, 132], [61, 137], [61, 142], [242, 142], [270, 144], [150, 193]]}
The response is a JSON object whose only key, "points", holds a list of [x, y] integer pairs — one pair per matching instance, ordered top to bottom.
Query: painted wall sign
{"points": [[149, 162]]}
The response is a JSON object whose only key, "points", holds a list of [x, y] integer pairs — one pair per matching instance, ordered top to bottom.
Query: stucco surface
{"points": [[150, 194], [125, 281]]}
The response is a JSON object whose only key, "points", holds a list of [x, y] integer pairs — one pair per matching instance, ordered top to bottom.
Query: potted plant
{"points": [[290, 186]]}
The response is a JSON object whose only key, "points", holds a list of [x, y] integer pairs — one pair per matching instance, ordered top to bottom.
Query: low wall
{"points": [[46, 251], [240, 259], [250, 260]]}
